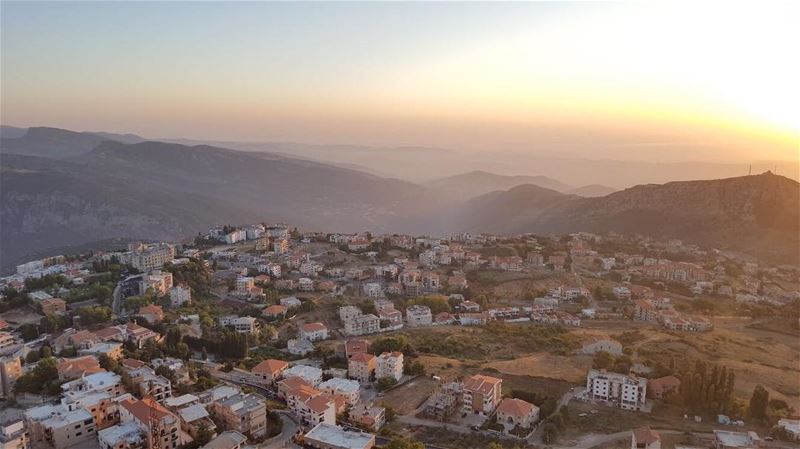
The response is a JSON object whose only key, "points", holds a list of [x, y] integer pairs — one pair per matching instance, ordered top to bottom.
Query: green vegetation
{"points": [[13, 299], [437, 303], [94, 314], [43, 379]]}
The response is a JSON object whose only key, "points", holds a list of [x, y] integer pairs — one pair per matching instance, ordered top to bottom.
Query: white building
{"points": [[180, 295], [418, 315], [362, 325], [313, 332], [389, 364], [310, 374], [345, 387], [625, 391]]}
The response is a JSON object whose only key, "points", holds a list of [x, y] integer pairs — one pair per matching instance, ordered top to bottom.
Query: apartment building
{"points": [[148, 257], [159, 281], [180, 295], [53, 306], [153, 313], [418, 315], [242, 325], [362, 325], [389, 364], [361, 366], [10, 370], [310, 374], [102, 382], [151, 384], [349, 389], [625, 391], [481, 394], [147, 413], [245, 413], [368, 416], [57, 427], [14, 435], [122, 436], [330, 436]]}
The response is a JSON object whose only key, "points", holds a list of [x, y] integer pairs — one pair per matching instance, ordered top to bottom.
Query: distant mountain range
{"points": [[62, 188]]}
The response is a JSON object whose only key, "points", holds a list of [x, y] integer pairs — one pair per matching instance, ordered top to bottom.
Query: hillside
{"points": [[476, 183], [592, 190], [167, 191], [756, 214]]}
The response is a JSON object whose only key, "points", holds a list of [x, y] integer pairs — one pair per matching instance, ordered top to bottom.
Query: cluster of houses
{"points": [[661, 311]]}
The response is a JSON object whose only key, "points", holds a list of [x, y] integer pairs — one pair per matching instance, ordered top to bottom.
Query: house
{"points": [[622, 293], [180, 295], [290, 301], [53, 306], [468, 306], [275, 311], [152, 313], [418, 315], [443, 319], [473, 319], [242, 325], [313, 332], [71, 338], [594, 344], [298, 346], [355, 346], [111, 350], [389, 364], [361, 366], [78, 367], [268, 371], [312, 375], [151, 384], [663, 386], [349, 389], [625, 391], [481, 394], [513, 412], [367, 416], [791, 426], [329, 436], [645, 438], [229, 439], [725, 439]]}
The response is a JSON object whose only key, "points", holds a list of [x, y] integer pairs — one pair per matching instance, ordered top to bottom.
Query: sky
{"points": [[654, 81]]}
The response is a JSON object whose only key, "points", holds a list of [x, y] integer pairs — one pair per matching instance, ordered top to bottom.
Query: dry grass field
{"points": [[408, 397]]}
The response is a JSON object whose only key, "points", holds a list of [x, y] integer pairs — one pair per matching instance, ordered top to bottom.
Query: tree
{"points": [[29, 331], [602, 360], [108, 363], [384, 383], [759, 401], [549, 433], [402, 443]]}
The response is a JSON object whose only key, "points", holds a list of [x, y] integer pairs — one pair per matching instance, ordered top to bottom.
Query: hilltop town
{"points": [[266, 336]]}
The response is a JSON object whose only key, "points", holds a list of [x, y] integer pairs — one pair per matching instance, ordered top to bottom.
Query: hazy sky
{"points": [[686, 80]]}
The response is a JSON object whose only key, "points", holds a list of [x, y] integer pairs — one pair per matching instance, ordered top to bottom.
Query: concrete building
{"points": [[180, 295], [418, 315], [362, 325], [313, 332], [389, 364], [361, 366], [270, 370], [310, 374], [346, 388], [624, 391], [481, 394], [513, 412], [245, 413], [14, 435], [329, 436], [645, 438], [230, 439]]}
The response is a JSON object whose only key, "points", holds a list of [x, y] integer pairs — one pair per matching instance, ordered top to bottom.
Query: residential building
{"points": [[149, 257], [159, 281], [180, 295], [290, 301], [54, 306], [644, 310], [275, 311], [154, 314], [418, 315], [242, 325], [362, 325], [313, 331], [298, 346], [355, 346], [389, 364], [361, 366], [74, 368], [10, 370], [268, 371], [311, 374], [102, 382], [151, 384], [663, 386], [349, 389], [625, 391], [481, 394], [310, 405], [513, 412], [245, 413], [368, 416], [154, 419], [58, 427], [14, 435], [122, 436], [329, 436], [645, 438], [230, 439], [725, 439]]}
